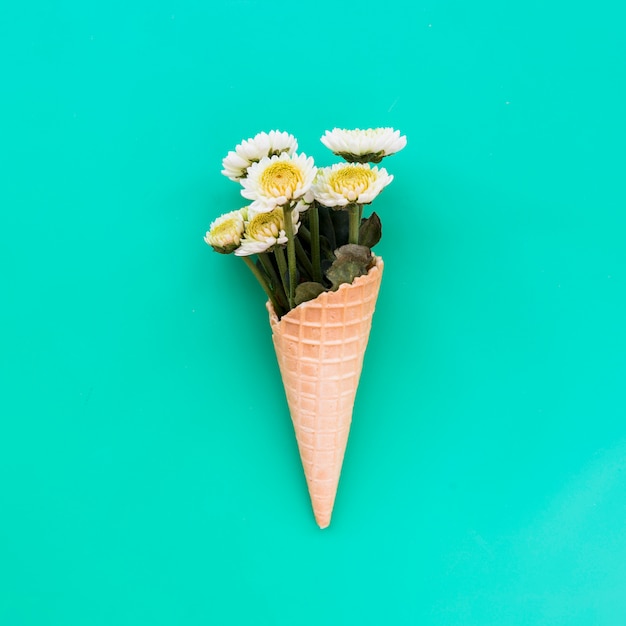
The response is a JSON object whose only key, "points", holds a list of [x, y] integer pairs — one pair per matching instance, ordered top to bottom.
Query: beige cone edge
{"points": [[320, 347]]}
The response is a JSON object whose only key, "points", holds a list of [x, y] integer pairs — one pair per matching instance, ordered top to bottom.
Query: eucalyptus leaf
{"points": [[371, 231], [355, 252], [352, 261], [326, 265], [345, 271], [308, 291]]}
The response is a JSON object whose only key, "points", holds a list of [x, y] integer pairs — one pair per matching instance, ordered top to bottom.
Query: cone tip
{"points": [[323, 521]]}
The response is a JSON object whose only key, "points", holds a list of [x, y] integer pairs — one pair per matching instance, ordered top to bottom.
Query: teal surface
{"points": [[148, 470]]}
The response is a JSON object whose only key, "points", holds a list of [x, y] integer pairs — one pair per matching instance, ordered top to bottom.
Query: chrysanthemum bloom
{"points": [[364, 146], [250, 151], [278, 181], [349, 183], [304, 204], [265, 230], [225, 233]]}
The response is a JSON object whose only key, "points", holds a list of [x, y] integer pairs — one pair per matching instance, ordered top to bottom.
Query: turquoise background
{"points": [[148, 469]]}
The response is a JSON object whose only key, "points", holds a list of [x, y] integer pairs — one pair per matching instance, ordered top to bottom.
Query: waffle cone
{"points": [[320, 347]]}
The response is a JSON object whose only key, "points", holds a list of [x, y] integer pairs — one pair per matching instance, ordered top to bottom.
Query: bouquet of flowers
{"points": [[304, 237]]}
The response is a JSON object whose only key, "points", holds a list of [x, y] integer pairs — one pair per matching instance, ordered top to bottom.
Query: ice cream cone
{"points": [[320, 346]]}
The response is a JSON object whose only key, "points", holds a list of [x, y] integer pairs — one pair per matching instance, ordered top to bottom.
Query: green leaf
{"points": [[372, 157], [341, 224], [326, 226], [371, 231], [303, 233], [326, 249], [355, 252], [352, 261], [344, 271], [286, 277], [308, 291]]}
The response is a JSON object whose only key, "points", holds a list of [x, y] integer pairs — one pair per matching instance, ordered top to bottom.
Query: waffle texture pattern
{"points": [[320, 347]]}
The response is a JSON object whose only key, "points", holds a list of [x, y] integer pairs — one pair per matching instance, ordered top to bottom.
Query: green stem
{"points": [[314, 223], [354, 223], [303, 232], [291, 254], [303, 258], [282, 270], [262, 281], [277, 283]]}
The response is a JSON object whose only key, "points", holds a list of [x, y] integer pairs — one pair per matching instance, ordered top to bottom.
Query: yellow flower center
{"points": [[281, 179], [351, 181], [266, 225], [228, 231]]}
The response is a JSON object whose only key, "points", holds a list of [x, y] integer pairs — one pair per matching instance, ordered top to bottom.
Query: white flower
{"points": [[364, 146], [250, 151], [278, 181], [349, 183], [304, 204], [265, 230], [224, 234]]}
